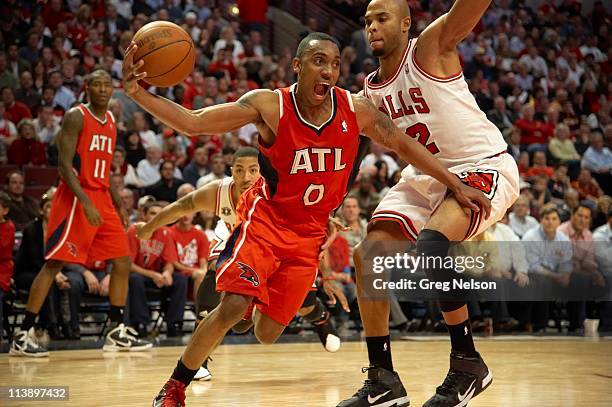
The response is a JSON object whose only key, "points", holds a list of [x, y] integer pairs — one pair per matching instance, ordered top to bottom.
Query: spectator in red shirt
{"points": [[253, 13], [53, 14], [223, 64], [14, 110], [532, 136], [27, 149], [539, 166], [586, 186], [7, 240], [191, 245], [153, 266]]}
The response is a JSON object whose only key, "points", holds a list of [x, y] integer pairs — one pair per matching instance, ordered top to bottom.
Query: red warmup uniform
{"points": [[70, 237], [7, 241], [191, 246], [153, 253], [272, 254]]}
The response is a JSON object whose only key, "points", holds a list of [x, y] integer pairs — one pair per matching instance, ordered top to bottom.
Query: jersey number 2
{"points": [[420, 132], [100, 168]]}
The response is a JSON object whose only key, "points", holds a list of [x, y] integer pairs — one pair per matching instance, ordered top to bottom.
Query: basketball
{"points": [[167, 51]]}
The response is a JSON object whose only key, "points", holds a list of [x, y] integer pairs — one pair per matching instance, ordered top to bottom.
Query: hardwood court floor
{"points": [[525, 373]]}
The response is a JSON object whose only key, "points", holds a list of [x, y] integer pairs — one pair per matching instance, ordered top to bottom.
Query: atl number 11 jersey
{"points": [[94, 151]]}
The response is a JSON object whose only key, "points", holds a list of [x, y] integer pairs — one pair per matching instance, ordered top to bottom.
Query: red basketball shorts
{"points": [[71, 238], [275, 265]]}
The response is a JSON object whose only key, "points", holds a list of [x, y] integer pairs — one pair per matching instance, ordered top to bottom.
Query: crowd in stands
{"points": [[540, 70]]}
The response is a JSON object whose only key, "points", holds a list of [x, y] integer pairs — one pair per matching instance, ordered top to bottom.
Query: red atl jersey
{"points": [[94, 151], [309, 169], [154, 253]]}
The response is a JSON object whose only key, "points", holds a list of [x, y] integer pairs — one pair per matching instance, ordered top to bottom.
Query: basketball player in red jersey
{"points": [[420, 86], [309, 156], [221, 197], [85, 222]]}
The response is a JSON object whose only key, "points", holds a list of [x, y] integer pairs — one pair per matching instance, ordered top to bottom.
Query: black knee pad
{"points": [[431, 244], [310, 299], [318, 313]]}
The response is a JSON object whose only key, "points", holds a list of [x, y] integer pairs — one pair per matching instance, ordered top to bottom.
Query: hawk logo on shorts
{"points": [[483, 180], [225, 211], [72, 249], [249, 274]]}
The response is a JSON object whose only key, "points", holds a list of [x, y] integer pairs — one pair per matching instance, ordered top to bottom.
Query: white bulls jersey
{"points": [[440, 113], [226, 211]]}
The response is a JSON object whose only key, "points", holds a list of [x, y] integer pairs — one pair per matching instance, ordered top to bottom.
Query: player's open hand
{"points": [[130, 70], [473, 199], [92, 214], [333, 226], [142, 231], [334, 291]]}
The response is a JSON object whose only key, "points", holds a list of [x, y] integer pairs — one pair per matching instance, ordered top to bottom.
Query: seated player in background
{"points": [[7, 241], [192, 246], [153, 266]]}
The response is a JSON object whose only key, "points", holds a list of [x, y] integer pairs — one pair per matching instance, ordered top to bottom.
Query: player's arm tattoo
{"points": [[379, 127], [66, 146], [186, 203]]}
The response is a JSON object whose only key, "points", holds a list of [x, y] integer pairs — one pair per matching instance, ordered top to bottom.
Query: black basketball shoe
{"points": [[327, 333], [466, 379], [382, 388]]}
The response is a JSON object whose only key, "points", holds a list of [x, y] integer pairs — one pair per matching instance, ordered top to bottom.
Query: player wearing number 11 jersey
{"points": [[84, 222]]}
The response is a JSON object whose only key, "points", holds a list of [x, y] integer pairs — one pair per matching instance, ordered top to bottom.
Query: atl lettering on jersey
{"points": [[94, 152]]}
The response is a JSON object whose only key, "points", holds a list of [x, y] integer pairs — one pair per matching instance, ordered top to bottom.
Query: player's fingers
{"points": [[343, 301]]}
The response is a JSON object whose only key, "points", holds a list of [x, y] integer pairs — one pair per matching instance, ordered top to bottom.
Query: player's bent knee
{"points": [[232, 308], [305, 310], [269, 332]]}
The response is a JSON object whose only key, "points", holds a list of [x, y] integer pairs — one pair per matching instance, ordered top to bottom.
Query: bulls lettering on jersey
{"points": [[440, 113], [94, 151], [309, 169]]}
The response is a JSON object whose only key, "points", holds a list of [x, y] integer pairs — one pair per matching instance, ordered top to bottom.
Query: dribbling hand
{"points": [[131, 76]]}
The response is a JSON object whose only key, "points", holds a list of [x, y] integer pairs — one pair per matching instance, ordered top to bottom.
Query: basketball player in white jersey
{"points": [[420, 85], [222, 197]]}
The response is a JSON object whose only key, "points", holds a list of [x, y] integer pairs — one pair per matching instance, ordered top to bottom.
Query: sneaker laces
{"points": [[129, 333], [29, 341], [368, 384], [449, 386], [174, 392]]}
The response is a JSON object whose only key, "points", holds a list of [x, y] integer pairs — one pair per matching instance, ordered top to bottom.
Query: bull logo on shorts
{"points": [[482, 180], [225, 211], [249, 274]]}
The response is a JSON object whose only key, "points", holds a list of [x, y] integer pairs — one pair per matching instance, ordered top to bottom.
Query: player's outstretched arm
{"points": [[437, 45], [215, 119], [377, 126], [66, 146], [203, 199]]}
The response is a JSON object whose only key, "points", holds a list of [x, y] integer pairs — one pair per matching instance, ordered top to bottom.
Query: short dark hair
{"points": [[315, 36], [95, 73], [120, 149], [246, 152], [167, 162], [13, 172], [5, 199], [151, 204], [584, 205], [548, 209]]}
